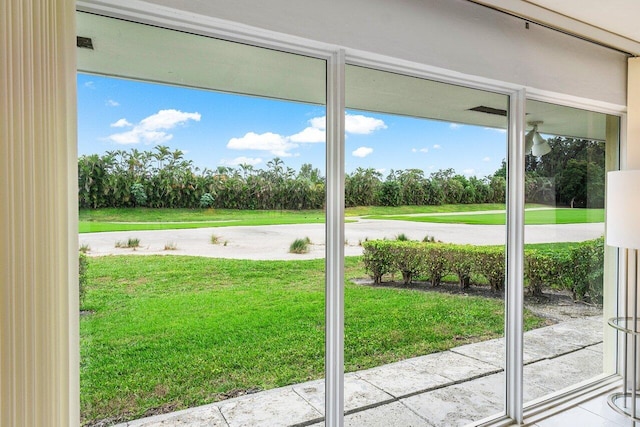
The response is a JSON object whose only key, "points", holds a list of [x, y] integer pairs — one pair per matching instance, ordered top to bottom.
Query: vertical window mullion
{"points": [[515, 258], [334, 295]]}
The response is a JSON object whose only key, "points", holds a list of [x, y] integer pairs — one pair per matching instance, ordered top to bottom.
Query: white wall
{"points": [[452, 34], [632, 153]]}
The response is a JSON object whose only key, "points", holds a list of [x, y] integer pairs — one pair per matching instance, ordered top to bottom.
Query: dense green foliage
{"points": [[572, 174], [161, 178], [167, 180], [577, 267], [168, 333]]}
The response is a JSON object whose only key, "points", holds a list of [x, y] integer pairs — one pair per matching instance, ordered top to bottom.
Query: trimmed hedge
{"points": [[378, 259], [584, 266], [578, 269]]}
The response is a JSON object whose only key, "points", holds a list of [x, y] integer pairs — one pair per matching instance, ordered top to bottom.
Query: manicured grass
{"points": [[404, 210], [186, 215], [532, 217], [133, 219], [99, 220], [174, 332]]}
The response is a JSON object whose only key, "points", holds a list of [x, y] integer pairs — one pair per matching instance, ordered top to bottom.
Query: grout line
{"points": [[586, 347], [453, 350], [375, 386], [308, 402], [416, 413], [223, 417]]}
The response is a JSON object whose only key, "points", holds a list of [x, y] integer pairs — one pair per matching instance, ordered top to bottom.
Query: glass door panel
{"points": [[568, 152], [201, 192], [425, 244]]}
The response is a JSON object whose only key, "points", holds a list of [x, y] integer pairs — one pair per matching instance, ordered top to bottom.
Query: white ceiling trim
{"points": [[588, 30]]}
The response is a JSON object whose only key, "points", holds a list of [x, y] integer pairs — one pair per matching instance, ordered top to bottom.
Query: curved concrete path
{"points": [[271, 242]]}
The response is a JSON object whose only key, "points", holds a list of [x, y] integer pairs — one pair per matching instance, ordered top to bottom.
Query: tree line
{"points": [[161, 178]]}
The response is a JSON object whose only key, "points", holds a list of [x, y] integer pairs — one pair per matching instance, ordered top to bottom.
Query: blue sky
{"points": [[214, 129]]}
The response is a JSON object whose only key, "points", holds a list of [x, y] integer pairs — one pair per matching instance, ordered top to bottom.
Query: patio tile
{"points": [[582, 331], [563, 337], [541, 343], [598, 348], [490, 351], [452, 365], [563, 371], [402, 378], [357, 393], [463, 403], [455, 405], [280, 407], [392, 414], [203, 416]]}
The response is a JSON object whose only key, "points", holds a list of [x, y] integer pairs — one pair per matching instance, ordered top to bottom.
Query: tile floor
{"points": [[594, 412]]}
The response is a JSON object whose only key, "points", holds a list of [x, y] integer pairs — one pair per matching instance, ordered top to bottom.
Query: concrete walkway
{"points": [[450, 388]]}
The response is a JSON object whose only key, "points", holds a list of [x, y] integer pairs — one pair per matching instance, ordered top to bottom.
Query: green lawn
{"points": [[404, 210], [532, 217], [132, 219], [174, 332]]}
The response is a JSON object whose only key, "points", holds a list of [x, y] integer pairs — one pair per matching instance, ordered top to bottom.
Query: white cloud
{"points": [[90, 85], [112, 103], [167, 119], [319, 122], [121, 123], [353, 123], [362, 125], [455, 126], [151, 129], [314, 133], [309, 135], [277, 145], [281, 146], [437, 146], [414, 150], [421, 150], [424, 150], [362, 151], [486, 159], [242, 160], [381, 170], [468, 172]]}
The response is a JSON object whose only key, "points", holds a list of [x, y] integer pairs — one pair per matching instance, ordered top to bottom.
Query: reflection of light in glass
{"points": [[536, 143]]}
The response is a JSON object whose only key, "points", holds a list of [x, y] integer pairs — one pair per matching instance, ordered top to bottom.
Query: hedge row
{"points": [[579, 268]]}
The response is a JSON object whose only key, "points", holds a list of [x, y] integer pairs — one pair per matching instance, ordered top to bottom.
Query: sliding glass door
{"points": [[568, 152], [229, 160], [425, 188], [201, 197]]}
